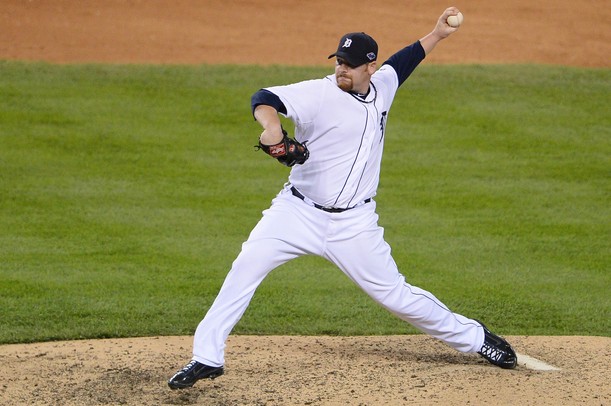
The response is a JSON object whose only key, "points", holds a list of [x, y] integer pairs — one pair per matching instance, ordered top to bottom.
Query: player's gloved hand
{"points": [[288, 152]]}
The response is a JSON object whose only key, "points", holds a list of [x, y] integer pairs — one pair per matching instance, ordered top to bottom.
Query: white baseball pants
{"points": [[354, 242]]}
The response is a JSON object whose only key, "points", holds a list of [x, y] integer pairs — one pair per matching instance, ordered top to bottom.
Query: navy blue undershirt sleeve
{"points": [[405, 61], [269, 99]]}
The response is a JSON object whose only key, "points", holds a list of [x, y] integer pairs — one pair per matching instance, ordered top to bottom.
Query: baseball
{"points": [[455, 21]]}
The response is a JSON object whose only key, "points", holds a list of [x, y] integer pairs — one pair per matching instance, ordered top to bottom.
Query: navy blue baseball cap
{"points": [[356, 48]]}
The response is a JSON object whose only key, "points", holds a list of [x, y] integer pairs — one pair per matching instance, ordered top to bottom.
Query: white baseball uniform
{"points": [[345, 135]]}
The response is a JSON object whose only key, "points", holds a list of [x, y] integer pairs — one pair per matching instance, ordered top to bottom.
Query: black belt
{"points": [[296, 193]]}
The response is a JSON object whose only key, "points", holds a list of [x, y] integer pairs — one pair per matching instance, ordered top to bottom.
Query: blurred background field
{"points": [[126, 191]]}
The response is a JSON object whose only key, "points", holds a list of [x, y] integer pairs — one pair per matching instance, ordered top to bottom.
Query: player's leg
{"points": [[283, 233], [257, 258], [366, 258], [250, 268]]}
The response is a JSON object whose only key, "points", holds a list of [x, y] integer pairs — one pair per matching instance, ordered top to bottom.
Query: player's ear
{"points": [[371, 67]]}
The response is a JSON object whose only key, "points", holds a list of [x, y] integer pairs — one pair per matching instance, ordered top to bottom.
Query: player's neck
{"points": [[362, 95]]}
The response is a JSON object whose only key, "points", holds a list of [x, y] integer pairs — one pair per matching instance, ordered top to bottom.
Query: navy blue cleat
{"points": [[497, 350], [193, 372]]}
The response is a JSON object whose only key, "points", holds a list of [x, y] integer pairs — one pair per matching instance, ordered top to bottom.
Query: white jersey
{"points": [[345, 154]]}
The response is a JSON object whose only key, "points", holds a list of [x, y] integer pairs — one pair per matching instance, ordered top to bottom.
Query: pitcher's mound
{"points": [[263, 370]]}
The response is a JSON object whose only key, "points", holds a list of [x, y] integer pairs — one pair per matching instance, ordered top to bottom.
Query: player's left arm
{"points": [[265, 108], [268, 117], [274, 139]]}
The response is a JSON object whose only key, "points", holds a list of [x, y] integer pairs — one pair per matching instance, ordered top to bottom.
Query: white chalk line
{"points": [[534, 364]]}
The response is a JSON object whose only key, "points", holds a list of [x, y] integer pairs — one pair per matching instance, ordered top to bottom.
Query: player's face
{"points": [[353, 78]]}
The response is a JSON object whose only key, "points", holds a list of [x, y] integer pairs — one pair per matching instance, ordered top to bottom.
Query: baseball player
{"points": [[327, 207]]}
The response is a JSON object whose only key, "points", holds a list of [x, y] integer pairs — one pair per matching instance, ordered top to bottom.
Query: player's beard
{"points": [[344, 82]]}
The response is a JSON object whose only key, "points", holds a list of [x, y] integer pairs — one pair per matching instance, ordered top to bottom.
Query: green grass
{"points": [[126, 192]]}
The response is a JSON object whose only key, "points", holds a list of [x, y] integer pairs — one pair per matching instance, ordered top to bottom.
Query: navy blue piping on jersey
{"points": [[406, 60], [267, 98], [363, 99], [364, 104], [366, 122], [356, 157], [358, 184]]}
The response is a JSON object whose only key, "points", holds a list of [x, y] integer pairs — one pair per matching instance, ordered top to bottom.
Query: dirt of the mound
{"points": [[301, 370], [389, 370]]}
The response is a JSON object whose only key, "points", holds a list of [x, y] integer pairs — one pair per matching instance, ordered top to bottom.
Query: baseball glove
{"points": [[288, 152]]}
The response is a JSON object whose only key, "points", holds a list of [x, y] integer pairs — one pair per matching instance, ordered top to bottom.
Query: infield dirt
{"points": [[261, 370]]}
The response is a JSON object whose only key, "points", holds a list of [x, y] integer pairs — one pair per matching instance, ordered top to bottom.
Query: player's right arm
{"points": [[441, 31], [406, 60]]}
